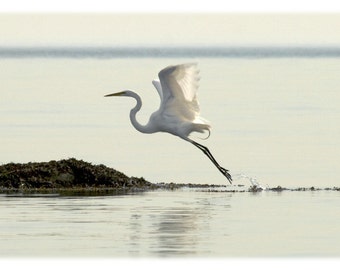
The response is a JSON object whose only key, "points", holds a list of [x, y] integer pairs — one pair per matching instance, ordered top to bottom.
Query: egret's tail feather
{"points": [[202, 128], [206, 132]]}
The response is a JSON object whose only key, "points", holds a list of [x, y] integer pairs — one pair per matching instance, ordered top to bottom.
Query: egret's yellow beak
{"points": [[115, 94]]}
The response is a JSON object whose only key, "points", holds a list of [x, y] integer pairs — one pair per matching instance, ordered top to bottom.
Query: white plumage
{"points": [[179, 111]]}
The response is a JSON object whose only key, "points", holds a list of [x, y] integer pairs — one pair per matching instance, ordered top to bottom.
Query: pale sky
{"points": [[100, 29]]}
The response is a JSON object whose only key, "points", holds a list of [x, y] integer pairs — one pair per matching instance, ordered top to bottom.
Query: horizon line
{"points": [[114, 51]]}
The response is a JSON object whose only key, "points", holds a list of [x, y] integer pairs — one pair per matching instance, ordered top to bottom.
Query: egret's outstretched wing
{"points": [[180, 81], [179, 85]]}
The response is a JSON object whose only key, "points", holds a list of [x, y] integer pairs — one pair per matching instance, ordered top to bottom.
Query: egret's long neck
{"points": [[133, 112]]}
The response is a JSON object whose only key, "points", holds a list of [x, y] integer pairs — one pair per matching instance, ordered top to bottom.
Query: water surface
{"points": [[181, 223]]}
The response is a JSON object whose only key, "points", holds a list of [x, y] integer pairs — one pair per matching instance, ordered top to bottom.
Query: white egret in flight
{"points": [[179, 110]]}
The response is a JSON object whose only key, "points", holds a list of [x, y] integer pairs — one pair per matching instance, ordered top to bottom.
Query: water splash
{"points": [[255, 185]]}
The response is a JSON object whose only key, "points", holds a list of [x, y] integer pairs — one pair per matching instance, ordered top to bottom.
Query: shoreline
{"points": [[77, 177]]}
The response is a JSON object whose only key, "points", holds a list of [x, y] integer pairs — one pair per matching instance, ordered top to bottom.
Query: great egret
{"points": [[179, 110]]}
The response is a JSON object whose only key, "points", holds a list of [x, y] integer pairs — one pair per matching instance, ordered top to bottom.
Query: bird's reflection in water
{"points": [[165, 231], [176, 232]]}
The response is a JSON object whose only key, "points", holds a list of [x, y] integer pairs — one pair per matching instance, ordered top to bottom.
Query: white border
{"points": [[169, 6]]}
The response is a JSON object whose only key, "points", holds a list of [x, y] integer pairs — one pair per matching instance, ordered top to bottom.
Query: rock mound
{"points": [[66, 173]]}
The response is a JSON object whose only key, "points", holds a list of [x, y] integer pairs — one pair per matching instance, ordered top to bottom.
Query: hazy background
{"points": [[169, 29]]}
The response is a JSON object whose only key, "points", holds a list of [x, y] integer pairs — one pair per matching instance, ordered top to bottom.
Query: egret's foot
{"points": [[226, 173]]}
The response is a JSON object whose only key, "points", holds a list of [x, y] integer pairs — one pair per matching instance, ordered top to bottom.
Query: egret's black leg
{"points": [[206, 151]]}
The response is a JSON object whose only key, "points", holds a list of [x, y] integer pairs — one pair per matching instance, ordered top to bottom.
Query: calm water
{"points": [[275, 118], [184, 223]]}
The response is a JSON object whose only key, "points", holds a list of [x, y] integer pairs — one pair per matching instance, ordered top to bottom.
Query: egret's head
{"points": [[126, 93]]}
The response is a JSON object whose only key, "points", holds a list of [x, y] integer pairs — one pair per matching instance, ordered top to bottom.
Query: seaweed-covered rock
{"points": [[67, 173]]}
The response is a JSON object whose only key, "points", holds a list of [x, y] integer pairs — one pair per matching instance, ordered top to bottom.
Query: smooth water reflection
{"points": [[151, 224], [171, 224], [170, 228]]}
